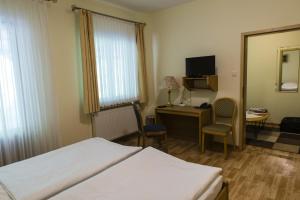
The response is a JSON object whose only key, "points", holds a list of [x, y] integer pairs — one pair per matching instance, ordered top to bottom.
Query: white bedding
{"points": [[147, 175], [43, 176], [212, 192], [4, 194]]}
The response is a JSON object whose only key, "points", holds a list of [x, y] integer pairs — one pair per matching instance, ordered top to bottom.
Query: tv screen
{"points": [[200, 66]]}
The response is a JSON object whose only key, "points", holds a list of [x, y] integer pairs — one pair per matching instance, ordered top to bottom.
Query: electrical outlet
{"points": [[234, 73]]}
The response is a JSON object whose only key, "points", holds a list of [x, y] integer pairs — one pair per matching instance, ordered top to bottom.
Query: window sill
{"points": [[104, 108]]}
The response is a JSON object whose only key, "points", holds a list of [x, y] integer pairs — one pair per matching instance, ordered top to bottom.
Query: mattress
{"points": [[149, 174], [45, 175], [214, 189]]}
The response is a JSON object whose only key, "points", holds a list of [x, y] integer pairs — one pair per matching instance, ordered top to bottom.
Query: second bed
{"points": [[150, 175]]}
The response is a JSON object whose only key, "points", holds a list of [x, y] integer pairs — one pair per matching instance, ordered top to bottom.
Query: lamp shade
{"points": [[171, 83]]}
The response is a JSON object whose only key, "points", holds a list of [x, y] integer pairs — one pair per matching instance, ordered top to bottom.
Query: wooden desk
{"points": [[203, 116]]}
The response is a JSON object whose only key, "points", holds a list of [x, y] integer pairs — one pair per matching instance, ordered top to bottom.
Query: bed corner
{"points": [[224, 193]]}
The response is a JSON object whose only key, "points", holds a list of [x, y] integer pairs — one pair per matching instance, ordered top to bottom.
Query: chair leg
{"points": [[233, 138], [139, 139], [144, 140], [159, 141], [203, 142], [166, 143], [225, 147]]}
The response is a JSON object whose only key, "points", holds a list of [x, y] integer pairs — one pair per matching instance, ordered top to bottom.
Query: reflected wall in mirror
{"points": [[288, 67]]}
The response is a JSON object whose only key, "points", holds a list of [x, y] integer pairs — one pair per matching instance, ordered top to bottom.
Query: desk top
{"points": [[181, 109]]}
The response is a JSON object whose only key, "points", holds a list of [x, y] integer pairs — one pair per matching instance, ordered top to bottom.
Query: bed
{"points": [[289, 86], [99, 169], [151, 174], [45, 175]]}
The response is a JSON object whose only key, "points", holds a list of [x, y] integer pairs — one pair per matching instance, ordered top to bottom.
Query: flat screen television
{"points": [[200, 66]]}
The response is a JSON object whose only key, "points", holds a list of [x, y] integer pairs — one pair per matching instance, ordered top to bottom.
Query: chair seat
{"points": [[154, 128], [219, 128]]}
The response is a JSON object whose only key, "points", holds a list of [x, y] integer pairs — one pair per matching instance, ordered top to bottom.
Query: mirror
{"points": [[289, 63]]}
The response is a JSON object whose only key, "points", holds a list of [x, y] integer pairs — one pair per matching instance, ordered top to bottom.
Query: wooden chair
{"points": [[224, 114], [155, 131]]}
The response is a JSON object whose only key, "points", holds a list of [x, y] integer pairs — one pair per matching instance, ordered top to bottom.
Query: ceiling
{"points": [[147, 5]]}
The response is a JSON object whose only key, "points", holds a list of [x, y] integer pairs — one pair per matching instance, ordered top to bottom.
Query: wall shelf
{"points": [[205, 82]]}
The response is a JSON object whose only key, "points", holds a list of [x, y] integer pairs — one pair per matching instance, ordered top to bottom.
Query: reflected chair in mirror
{"points": [[224, 116], [155, 131]]}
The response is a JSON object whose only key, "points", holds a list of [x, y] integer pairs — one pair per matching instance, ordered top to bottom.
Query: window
{"points": [[116, 60], [8, 97], [27, 109]]}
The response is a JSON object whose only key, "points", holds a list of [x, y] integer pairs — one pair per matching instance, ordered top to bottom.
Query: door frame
{"points": [[243, 73]]}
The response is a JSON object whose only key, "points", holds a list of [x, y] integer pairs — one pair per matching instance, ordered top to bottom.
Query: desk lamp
{"points": [[171, 84]]}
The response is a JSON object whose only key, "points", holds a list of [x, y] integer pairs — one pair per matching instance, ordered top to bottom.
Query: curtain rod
{"points": [[74, 8]]}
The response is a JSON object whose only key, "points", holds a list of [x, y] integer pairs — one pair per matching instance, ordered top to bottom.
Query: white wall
{"points": [[201, 27], [205, 27], [66, 60], [262, 89]]}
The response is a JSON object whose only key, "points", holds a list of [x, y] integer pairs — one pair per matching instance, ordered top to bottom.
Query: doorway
{"points": [[244, 90]]}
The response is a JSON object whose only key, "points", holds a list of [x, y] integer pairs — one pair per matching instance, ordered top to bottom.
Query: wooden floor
{"points": [[255, 173]]}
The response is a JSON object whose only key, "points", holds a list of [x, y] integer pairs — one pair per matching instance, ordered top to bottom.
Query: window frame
{"points": [[126, 102]]}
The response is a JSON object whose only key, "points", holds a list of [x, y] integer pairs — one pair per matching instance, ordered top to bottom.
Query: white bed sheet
{"points": [[149, 174], [45, 175], [212, 192], [4, 194]]}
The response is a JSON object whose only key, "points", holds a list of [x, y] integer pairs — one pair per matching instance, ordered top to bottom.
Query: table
{"points": [[203, 116], [257, 119]]}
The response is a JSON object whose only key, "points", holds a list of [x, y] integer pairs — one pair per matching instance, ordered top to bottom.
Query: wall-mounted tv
{"points": [[200, 66]]}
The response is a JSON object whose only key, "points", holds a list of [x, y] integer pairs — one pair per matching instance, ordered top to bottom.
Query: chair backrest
{"points": [[225, 111], [138, 115]]}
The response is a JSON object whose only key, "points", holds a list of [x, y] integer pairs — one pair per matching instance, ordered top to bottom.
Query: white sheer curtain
{"points": [[116, 59], [26, 105]]}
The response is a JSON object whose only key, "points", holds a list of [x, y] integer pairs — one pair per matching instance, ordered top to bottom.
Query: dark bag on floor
{"points": [[290, 124]]}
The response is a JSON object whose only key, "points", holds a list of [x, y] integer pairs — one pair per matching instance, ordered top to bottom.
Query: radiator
{"points": [[115, 123]]}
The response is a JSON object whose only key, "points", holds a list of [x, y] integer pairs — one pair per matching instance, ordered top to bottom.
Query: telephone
{"points": [[205, 106]]}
